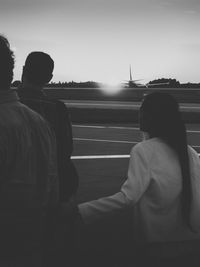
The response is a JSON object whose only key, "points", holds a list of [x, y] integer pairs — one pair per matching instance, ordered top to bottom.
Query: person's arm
{"points": [[64, 130], [53, 173], [69, 178], [195, 188], [131, 191]]}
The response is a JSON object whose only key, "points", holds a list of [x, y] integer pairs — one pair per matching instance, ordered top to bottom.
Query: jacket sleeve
{"points": [[69, 178], [195, 188], [131, 191]]}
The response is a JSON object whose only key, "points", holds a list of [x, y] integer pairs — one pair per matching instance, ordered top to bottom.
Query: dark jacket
{"points": [[56, 113], [28, 182]]}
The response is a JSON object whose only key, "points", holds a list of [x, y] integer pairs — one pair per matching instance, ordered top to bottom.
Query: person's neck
{"points": [[27, 84], [145, 136]]}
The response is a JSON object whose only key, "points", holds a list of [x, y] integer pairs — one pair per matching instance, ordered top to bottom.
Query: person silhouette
{"points": [[38, 71], [28, 174], [163, 180]]}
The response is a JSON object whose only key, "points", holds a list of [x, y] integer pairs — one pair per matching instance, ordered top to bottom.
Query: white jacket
{"points": [[153, 190]]}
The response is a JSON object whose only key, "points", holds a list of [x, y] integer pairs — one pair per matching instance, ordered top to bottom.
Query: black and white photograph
{"points": [[99, 133]]}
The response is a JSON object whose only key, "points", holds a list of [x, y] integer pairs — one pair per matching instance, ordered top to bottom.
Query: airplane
{"points": [[134, 83]]}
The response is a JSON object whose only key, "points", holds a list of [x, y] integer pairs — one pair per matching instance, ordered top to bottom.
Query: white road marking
{"points": [[118, 103], [103, 105], [89, 126], [106, 127], [119, 127], [124, 128], [192, 131], [104, 140], [113, 141], [102, 157]]}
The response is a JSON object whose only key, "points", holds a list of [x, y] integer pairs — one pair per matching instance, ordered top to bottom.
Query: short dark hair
{"points": [[6, 63], [38, 68]]}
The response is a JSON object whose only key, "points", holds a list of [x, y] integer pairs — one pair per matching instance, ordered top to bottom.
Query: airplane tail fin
{"points": [[130, 74]]}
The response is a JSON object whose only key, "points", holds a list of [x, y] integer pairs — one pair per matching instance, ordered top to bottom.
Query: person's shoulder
{"points": [[31, 114], [38, 122], [147, 144], [142, 147], [147, 148], [192, 150], [193, 153]]}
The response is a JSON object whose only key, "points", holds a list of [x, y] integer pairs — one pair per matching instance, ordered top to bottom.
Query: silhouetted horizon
{"points": [[173, 83]]}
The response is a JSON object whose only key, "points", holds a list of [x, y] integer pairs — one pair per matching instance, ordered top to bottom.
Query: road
{"points": [[121, 105], [101, 155]]}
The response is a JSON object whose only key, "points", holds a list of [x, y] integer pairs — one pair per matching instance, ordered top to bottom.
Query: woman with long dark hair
{"points": [[160, 117], [163, 182]]}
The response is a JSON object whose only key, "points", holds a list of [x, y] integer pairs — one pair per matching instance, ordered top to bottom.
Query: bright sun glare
{"points": [[112, 88]]}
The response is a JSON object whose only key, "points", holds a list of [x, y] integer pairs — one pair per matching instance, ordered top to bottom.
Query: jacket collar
{"points": [[8, 95]]}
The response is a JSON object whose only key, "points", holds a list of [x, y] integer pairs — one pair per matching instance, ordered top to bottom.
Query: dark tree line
{"points": [[163, 82], [166, 83], [173, 83], [72, 84], [190, 85]]}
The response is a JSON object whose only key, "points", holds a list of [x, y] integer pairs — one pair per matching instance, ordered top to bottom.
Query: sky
{"points": [[97, 40]]}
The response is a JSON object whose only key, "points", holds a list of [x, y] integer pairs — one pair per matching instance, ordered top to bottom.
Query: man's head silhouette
{"points": [[6, 63], [38, 68]]}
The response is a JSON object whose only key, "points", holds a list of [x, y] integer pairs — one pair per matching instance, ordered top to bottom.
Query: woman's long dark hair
{"points": [[160, 117]]}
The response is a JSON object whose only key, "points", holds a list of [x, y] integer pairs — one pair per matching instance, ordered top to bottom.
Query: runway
{"points": [[121, 105], [101, 155]]}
